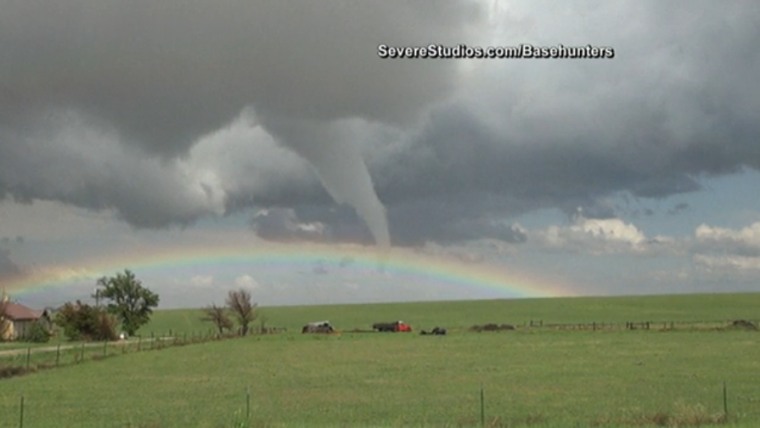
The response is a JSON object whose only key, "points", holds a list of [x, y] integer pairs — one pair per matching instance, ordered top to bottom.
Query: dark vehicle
{"points": [[396, 326], [318, 327], [437, 331]]}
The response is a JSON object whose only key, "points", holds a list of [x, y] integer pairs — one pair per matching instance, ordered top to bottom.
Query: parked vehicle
{"points": [[396, 326], [318, 327], [437, 331]]}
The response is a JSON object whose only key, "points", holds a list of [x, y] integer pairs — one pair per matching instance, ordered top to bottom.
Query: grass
{"points": [[463, 314], [5, 346], [531, 377]]}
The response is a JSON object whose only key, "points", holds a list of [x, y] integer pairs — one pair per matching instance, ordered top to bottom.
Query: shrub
{"points": [[84, 322], [38, 333]]}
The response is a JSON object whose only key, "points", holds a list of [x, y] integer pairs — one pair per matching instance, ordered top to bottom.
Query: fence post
{"points": [[139, 342], [105, 348], [57, 354], [81, 355], [28, 356], [725, 402], [248, 403], [482, 407], [21, 413]]}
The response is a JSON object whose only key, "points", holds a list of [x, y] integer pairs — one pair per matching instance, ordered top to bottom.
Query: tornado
{"points": [[339, 166]]}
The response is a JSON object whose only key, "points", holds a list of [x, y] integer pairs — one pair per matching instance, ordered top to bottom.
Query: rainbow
{"points": [[391, 264]]}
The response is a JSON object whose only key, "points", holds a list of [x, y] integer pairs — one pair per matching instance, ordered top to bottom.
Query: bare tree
{"points": [[239, 302], [218, 316]]}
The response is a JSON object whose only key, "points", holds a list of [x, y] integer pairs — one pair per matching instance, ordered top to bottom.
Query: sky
{"points": [[269, 146]]}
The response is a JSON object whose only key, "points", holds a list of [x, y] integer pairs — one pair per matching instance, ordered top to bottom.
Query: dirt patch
{"points": [[744, 324], [492, 327], [6, 372]]}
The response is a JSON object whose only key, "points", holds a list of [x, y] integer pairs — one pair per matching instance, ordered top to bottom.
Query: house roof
{"points": [[19, 312]]}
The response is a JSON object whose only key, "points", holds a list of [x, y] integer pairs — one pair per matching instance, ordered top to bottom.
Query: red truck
{"points": [[396, 326]]}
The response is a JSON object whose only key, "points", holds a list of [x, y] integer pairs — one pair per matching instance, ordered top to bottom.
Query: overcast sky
{"points": [[131, 125]]}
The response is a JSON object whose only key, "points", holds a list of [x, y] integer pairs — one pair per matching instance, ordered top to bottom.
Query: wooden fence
{"points": [[19, 361]]}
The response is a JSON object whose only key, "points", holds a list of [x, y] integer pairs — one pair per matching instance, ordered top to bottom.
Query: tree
{"points": [[131, 302], [239, 302], [218, 316]]}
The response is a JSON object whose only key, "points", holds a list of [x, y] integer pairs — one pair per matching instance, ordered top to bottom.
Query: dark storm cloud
{"points": [[161, 74], [156, 77], [678, 103], [454, 147], [458, 153], [90, 169], [458, 176], [678, 208], [453, 218], [319, 223], [412, 223], [282, 224], [7, 240], [8, 268]]}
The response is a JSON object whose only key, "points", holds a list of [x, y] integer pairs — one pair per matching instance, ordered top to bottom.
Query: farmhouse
{"points": [[16, 320]]}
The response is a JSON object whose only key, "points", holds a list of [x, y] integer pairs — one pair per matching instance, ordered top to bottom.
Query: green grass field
{"points": [[463, 314], [530, 377]]}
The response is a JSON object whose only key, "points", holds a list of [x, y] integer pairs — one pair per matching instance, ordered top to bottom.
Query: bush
{"points": [[84, 322], [105, 327], [38, 333]]}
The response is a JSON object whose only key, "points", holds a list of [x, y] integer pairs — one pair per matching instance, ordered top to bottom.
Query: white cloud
{"points": [[246, 162], [313, 227], [611, 230], [749, 235], [601, 236], [727, 249], [464, 253], [730, 262], [669, 276], [202, 280], [247, 281]]}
